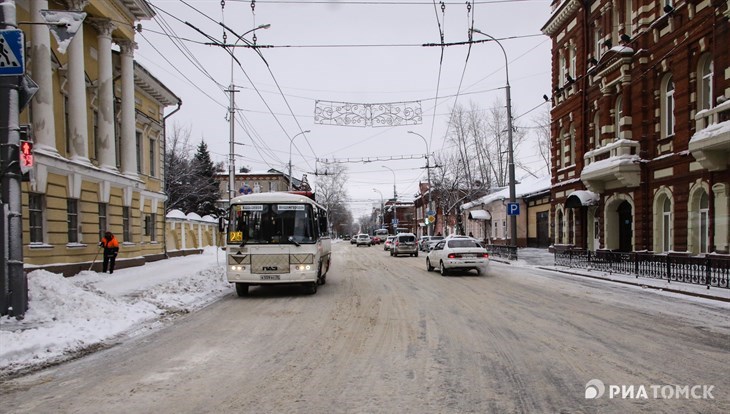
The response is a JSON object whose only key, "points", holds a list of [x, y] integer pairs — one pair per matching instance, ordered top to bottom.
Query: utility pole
{"points": [[231, 125], [13, 282]]}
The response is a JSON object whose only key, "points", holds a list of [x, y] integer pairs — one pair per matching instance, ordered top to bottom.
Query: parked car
{"points": [[375, 239], [353, 240], [363, 240], [426, 240], [388, 242], [432, 242], [404, 243], [458, 253]]}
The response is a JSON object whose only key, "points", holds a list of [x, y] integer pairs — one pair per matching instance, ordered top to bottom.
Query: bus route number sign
{"points": [[236, 236]]}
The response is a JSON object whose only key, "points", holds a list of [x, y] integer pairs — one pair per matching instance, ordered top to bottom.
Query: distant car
{"points": [[375, 239], [353, 240], [363, 240], [426, 240], [388, 242], [432, 242], [404, 243], [458, 253]]}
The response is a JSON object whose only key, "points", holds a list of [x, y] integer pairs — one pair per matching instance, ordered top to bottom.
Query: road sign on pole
{"points": [[12, 56], [513, 209]]}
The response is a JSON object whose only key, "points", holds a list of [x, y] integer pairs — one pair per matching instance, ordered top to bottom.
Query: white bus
{"points": [[277, 238]]}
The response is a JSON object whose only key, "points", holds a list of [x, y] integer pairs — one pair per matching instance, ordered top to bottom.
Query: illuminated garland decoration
{"points": [[368, 115]]}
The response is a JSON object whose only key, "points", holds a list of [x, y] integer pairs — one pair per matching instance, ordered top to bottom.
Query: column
{"points": [[105, 84], [76, 86], [129, 124], [44, 125]]}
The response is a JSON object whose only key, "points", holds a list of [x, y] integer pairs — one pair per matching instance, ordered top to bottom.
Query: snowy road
{"points": [[385, 335]]}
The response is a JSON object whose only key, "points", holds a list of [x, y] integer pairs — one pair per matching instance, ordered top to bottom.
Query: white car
{"points": [[363, 240], [458, 253]]}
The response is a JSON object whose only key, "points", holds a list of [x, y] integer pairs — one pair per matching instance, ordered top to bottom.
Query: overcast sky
{"points": [[350, 51]]}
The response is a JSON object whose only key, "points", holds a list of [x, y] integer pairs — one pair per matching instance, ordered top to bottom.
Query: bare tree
{"points": [[544, 142], [331, 193]]}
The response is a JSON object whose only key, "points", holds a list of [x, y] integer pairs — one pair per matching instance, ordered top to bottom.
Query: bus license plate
{"points": [[270, 277]]}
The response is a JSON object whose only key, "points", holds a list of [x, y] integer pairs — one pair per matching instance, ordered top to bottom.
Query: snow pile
{"points": [[69, 316]]}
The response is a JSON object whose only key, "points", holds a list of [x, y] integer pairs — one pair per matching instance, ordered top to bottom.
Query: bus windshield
{"points": [[271, 224]]}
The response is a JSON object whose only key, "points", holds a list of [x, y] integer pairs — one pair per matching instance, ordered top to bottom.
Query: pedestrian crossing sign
{"points": [[12, 56]]}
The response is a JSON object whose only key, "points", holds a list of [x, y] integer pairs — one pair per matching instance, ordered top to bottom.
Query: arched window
{"points": [[705, 75], [667, 107], [618, 114], [572, 144], [704, 221], [667, 225]]}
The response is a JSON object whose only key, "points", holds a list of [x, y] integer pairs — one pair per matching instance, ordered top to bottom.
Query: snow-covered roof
{"points": [[527, 187], [582, 198]]}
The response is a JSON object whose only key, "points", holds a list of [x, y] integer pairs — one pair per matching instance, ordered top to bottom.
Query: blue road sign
{"points": [[12, 57], [513, 209], [430, 213], [395, 222]]}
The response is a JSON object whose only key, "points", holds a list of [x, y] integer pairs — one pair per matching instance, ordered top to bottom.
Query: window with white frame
{"points": [[598, 43], [573, 58], [561, 69], [705, 75], [667, 107], [618, 113], [561, 149], [35, 217], [72, 219], [102, 219], [704, 222], [666, 225], [126, 228], [504, 229]]}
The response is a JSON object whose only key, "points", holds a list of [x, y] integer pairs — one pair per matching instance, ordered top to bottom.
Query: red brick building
{"points": [[640, 129]]}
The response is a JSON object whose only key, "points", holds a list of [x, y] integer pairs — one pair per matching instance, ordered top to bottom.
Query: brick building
{"points": [[640, 130]]}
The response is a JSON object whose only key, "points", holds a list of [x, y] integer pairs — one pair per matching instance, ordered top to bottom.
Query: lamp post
{"points": [[232, 118], [291, 141], [510, 161], [428, 171], [395, 201], [382, 214]]}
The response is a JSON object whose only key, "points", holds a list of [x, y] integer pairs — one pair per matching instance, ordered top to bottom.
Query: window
{"points": [[628, 9], [598, 43], [573, 58], [561, 69], [705, 75], [668, 107], [618, 114], [66, 119], [596, 130], [97, 144], [572, 144], [561, 150], [139, 152], [153, 164], [274, 186], [35, 216], [102, 219], [72, 220], [704, 222], [147, 225], [667, 225], [153, 227], [504, 229], [559, 229], [494, 231], [126, 233]]}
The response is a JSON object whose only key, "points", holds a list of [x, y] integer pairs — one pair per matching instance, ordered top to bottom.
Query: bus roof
{"points": [[273, 197]]}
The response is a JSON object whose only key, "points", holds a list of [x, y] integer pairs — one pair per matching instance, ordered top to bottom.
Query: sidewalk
{"points": [[543, 259]]}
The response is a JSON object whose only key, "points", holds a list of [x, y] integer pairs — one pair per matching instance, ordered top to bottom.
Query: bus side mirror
{"points": [[221, 224]]}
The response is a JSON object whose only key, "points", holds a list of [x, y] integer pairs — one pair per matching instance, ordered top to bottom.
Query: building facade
{"points": [[97, 122], [639, 128], [257, 182]]}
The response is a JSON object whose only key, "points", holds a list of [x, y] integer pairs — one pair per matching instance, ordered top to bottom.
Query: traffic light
{"points": [[25, 153]]}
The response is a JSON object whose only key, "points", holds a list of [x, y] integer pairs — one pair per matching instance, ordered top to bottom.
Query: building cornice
{"points": [[560, 17]]}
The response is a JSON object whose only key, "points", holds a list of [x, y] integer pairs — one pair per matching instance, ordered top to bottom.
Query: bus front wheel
{"points": [[311, 288], [242, 289]]}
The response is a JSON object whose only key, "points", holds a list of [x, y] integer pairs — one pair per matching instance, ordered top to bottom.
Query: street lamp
{"points": [[232, 119], [291, 141], [510, 161], [428, 170], [395, 202], [382, 214]]}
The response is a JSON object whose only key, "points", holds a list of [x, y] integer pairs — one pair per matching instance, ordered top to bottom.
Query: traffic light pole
{"points": [[13, 282]]}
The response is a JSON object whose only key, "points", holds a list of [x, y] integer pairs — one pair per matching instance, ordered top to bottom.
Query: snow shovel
{"points": [[95, 256]]}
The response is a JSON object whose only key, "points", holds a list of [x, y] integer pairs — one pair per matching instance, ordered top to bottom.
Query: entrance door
{"points": [[625, 225], [543, 229]]}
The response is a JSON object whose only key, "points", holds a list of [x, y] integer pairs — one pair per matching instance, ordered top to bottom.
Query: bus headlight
{"points": [[238, 268]]}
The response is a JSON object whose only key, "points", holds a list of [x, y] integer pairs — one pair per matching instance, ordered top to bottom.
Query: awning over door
{"points": [[582, 198], [479, 215]]}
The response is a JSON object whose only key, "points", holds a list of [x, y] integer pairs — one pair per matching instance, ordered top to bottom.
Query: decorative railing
{"points": [[500, 250], [709, 270]]}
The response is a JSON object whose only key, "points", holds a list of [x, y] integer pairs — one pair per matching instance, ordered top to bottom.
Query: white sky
{"points": [[347, 73]]}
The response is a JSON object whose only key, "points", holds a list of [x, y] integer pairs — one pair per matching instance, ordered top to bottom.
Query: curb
{"points": [[683, 292]]}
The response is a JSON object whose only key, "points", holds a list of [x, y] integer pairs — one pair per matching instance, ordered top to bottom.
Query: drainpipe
{"points": [[164, 157]]}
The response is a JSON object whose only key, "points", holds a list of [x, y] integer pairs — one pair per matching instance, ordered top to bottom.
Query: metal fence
{"points": [[500, 250], [709, 270]]}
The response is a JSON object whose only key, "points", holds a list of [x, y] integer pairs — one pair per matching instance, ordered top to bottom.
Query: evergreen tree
{"points": [[205, 172]]}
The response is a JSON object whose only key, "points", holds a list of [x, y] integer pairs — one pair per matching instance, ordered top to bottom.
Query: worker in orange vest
{"points": [[111, 249]]}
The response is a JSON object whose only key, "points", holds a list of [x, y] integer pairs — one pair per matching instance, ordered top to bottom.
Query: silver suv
{"points": [[363, 240], [404, 243]]}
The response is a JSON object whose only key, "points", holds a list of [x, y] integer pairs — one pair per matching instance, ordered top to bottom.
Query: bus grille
{"points": [[269, 263]]}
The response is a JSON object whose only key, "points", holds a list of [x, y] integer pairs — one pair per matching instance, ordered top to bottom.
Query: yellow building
{"points": [[98, 125]]}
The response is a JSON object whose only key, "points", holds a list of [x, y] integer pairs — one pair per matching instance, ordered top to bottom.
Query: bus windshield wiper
{"points": [[291, 239]]}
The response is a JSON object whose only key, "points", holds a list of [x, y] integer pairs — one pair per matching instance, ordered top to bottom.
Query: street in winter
{"points": [[382, 335]]}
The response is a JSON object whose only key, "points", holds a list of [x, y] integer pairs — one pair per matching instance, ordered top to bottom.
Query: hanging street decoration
{"points": [[368, 115]]}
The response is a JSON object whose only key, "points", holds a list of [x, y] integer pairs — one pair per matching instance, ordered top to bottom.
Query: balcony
{"points": [[710, 145], [615, 165]]}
